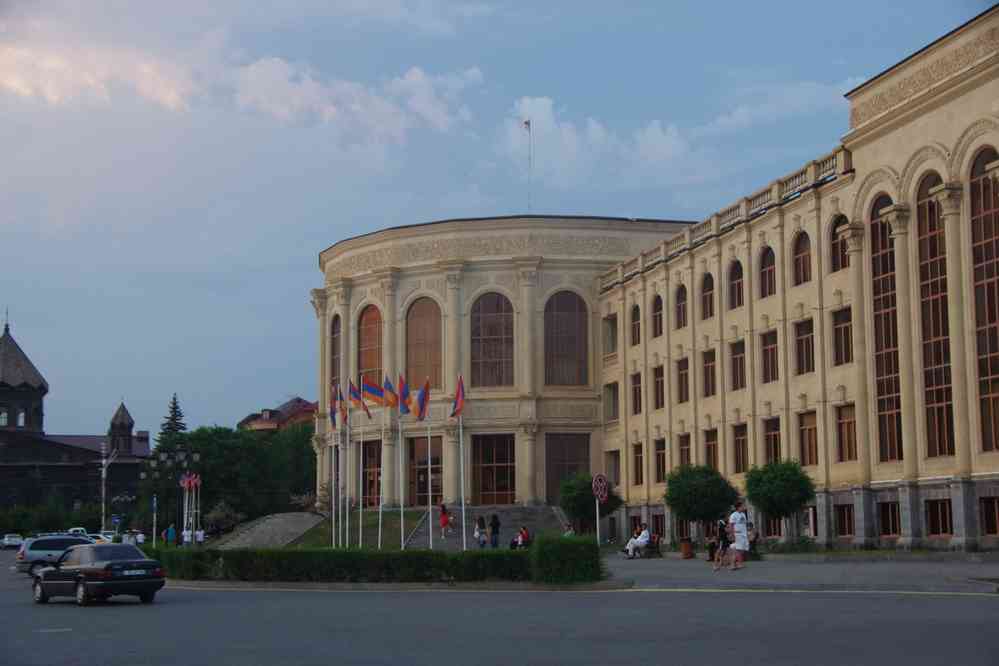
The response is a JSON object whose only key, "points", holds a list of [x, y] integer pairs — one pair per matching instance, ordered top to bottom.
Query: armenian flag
{"points": [[372, 392], [333, 395], [355, 397], [391, 397], [459, 398], [405, 400], [423, 401], [342, 403]]}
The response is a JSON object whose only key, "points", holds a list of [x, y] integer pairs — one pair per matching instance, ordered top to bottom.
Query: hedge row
{"points": [[548, 561]]}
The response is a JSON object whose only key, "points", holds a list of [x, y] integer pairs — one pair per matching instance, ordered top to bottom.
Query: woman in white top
{"points": [[740, 536]]}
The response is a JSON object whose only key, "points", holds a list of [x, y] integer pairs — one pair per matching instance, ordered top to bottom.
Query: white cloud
{"points": [[435, 99]]}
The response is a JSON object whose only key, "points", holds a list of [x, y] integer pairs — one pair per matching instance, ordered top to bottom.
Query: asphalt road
{"points": [[190, 627]]}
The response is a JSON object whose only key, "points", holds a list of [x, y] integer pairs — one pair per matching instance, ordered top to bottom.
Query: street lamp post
{"points": [[105, 463], [175, 464]]}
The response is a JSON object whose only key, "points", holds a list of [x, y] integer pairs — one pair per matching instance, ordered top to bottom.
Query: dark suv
{"points": [[43, 551], [99, 571]]}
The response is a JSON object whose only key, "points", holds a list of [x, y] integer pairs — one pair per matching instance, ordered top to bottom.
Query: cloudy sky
{"points": [[171, 170]]}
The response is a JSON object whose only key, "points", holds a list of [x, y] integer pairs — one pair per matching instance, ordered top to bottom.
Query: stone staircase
{"points": [[537, 519], [274, 531]]}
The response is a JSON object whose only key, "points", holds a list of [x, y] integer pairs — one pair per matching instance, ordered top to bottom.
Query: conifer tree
{"points": [[173, 424]]}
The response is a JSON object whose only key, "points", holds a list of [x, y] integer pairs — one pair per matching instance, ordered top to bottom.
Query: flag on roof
{"points": [[527, 124]]}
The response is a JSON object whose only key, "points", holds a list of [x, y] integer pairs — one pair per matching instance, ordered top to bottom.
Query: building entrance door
{"points": [[566, 455], [372, 465], [494, 470], [418, 471]]}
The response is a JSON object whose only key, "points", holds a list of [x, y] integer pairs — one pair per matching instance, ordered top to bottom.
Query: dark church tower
{"points": [[22, 388], [120, 434]]}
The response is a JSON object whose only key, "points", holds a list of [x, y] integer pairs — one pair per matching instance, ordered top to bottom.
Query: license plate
{"points": [[133, 572]]}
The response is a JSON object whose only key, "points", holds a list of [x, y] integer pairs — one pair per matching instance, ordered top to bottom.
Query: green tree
{"points": [[173, 424], [779, 489], [698, 493], [579, 503]]}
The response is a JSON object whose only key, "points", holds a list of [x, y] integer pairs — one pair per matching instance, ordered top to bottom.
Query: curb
{"points": [[480, 586]]}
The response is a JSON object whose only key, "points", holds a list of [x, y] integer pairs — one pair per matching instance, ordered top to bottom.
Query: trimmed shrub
{"points": [[558, 560], [476, 565]]}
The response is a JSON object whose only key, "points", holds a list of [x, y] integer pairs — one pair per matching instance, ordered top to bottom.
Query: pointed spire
{"points": [[16, 369], [122, 417]]}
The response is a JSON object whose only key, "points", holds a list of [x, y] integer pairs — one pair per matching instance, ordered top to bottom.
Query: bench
{"points": [[652, 549]]}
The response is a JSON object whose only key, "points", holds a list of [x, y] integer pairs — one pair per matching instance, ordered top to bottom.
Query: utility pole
{"points": [[105, 463]]}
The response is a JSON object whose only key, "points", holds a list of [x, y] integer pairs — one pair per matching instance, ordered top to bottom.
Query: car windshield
{"points": [[118, 552]]}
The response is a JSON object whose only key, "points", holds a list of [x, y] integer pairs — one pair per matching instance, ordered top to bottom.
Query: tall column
{"points": [[527, 277], [858, 314], [452, 336], [323, 396], [390, 455], [450, 464], [526, 492]]}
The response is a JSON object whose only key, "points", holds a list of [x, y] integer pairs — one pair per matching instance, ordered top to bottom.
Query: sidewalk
{"points": [[914, 576]]}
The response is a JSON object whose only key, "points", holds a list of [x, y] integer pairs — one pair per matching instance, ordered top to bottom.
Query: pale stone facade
{"points": [[937, 111]]}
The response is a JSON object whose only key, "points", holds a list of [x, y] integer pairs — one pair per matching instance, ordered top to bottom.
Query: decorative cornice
{"points": [[983, 46], [949, 196], [319, 302]]}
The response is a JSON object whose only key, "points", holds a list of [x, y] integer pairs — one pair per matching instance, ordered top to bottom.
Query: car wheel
{"points": [[39, 592], [147, 597], [82, 598]]}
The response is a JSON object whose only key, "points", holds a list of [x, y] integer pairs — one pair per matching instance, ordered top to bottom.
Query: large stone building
{"points": [[846, 315], [35, 465]]}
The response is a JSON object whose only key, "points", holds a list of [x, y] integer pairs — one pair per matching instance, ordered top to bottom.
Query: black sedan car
{"points": [[96, 571]]}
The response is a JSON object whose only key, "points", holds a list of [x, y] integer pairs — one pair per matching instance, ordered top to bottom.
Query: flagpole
{"points": [[530, 161], [461, 474], [430, 485], [360, 488], [381, 489], [332, 495], [346, 498], [402, 512]]}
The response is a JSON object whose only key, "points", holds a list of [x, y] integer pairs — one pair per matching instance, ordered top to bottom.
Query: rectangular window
{"points": [[708, 300], [657, 317], [610, 335], [842, 336], [804, 346], [738, 354], [768, 356], [709, 373], [682, 380], [659, 382], [636, 393], [611, 400], [846, 433], [808, 437], [771, 438], [740, 440], [711, 448], [684, 449], [660, 460], [613, 461], [637, 472], [990, 516], [938, 518], [889, 519], [844, 520], [659, 524], [773, 528], [682, 529]]}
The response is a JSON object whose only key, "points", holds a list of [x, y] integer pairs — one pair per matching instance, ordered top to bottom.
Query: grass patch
{"points": [[319, 536]]}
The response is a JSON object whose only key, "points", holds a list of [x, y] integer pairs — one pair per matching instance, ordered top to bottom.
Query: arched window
{"points": [[802, 259], [840, 259], [768, 273], [985, 273], [735, 285], [707, 296], [681, 307], [657, 316], [636, 325], [935, 328], [492, 341], [423, 342], [369, 346], [566, 351], [336, 357], [886, 368]]}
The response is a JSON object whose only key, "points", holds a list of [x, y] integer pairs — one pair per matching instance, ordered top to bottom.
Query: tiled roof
{"points": [[16, 369]]}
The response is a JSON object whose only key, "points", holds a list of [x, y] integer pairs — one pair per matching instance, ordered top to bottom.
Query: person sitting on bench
{"points": [[637, 542]]}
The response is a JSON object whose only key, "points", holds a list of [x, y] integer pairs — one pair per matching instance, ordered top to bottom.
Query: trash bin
{"points": [[686, 549]]}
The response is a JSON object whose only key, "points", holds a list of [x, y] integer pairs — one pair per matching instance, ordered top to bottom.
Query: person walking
{"points": [[444, 521], [480, 531], [494, 531], [170, 535], [740, 536], [721, 551]]}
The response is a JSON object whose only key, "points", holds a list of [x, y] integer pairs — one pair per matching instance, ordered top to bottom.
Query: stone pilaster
{"points": [[898, 217], [527, 277], [319, 304], [858, 314], [453, 316], [450, 465], [526, 491], [823, 511], [964, 514], [910, 515], [863, 517]]}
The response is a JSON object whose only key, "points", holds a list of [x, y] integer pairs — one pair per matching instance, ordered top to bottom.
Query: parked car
{"points": [[77, 531], [98, 538], [12, 541], [36, 554], [99, 571]]}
